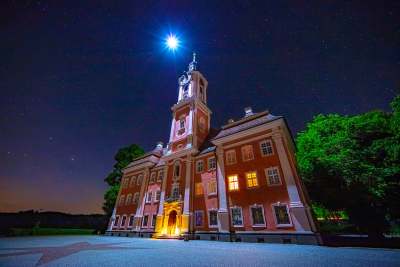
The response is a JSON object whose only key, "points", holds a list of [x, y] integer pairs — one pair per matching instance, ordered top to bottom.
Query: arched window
{"points": [[177, 170], [140, 179], [133, 181], [135, 198], [128, 199], [121, 200]]}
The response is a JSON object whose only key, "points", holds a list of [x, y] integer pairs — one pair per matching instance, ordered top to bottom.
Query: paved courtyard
{"points": [[124, 251]]}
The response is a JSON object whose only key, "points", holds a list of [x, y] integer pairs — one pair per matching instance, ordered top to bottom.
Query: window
{"points": [[182, 123], [266, 148], [247, 153], [230, 157], [211, 163], [199, 166], [177, 170], [272, 175], [160, 176], [153, 177], [139, 179], [251, 179], [133, 181], [125, 182], [233, 183], [212, 187], [198, 189], [175, 191], [158, 195], [149, 196], [135, 198], [128, 199], [121, 200], [281, 214], [257, 215], [237, 217], [199, 218], [212, 218], [131, 220], [145, 220], [154, 220], [116, 221], [123, 221]]}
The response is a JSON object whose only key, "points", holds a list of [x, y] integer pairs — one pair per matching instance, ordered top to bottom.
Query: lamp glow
{"points": [[172, 42]]}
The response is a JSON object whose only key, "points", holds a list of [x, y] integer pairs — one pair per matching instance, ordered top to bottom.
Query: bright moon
{"points": [[172, 42]]}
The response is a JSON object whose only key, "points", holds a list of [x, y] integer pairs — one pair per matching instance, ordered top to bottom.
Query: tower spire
{"points": [[193, 64]]}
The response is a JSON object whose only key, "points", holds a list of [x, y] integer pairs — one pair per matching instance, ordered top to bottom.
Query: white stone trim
{"points": [[241, 214], [290, 224]]}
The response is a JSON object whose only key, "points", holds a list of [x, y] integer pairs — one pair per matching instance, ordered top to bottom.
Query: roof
{"points": [[246, 123], [155, 152]]}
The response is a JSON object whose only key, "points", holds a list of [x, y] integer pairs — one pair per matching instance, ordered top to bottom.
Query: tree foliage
{"points": [[123, 157], [353, 163]]}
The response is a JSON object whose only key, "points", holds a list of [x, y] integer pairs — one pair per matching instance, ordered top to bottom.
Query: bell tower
{"points": [[190, 115]]}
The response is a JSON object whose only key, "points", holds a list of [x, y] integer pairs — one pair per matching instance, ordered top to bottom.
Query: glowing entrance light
{"points": [[172, 42]]}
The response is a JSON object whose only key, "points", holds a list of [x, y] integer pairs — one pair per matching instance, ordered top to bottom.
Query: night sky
{"points": [[79, 80]]}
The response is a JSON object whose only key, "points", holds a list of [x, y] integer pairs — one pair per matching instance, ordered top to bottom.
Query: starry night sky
{"points": [[80, 80]]}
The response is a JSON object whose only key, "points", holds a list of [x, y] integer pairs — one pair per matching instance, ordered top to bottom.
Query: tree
{"points": [[123, 157], [353, 163]]}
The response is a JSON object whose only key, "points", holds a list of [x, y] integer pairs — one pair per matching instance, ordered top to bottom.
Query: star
{"points": [[53, 253]]}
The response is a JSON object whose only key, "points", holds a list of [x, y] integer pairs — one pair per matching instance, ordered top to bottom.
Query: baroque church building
{"points": [[237, 183]]}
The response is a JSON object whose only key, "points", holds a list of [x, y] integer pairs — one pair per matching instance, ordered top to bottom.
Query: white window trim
{"points": [[272, 147], [252, 150], [226, 156], [177, 163], [197, 163], [208, 164], [158, 176], [267, 176], [153, 177], [139, 180], [258, 180], [132, 183], [216, 188], [149, 193], [155, 196], [130, 199], [135, 200], [121, 201], [241, 214], [131, 215], [251, 215], [153, 219], [122, 220], [148, 220], [202, 222], [116, 225], [209, 225], [283, 225]]}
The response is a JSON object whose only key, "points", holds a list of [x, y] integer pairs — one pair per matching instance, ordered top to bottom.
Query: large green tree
{"points": [[123, 157], [353, 163]]}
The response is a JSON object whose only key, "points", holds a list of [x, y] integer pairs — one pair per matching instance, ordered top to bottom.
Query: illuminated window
{"points": [[266, 148], [247, 153], [230, 157], [211, 163], [199, 166], [160, 175], [272, 175], [153, 177], [140, 179], [251, 179], [133, 181], [233, 183], [212, 187], [199, 189], [158, 195], [149, 196], [135, 198], [128, 199], [121, 200], [281, 214], [257, 215], [237, 216], [199, 218], [212, 218], [131, 220], [145, 220], [154, 220], [123, 221]]}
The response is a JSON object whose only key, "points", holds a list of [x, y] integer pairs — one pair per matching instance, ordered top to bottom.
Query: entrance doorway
{"points": [[172, 223]]}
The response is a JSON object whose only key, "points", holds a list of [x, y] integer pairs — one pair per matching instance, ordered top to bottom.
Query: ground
{"points": [[124, 251]]}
